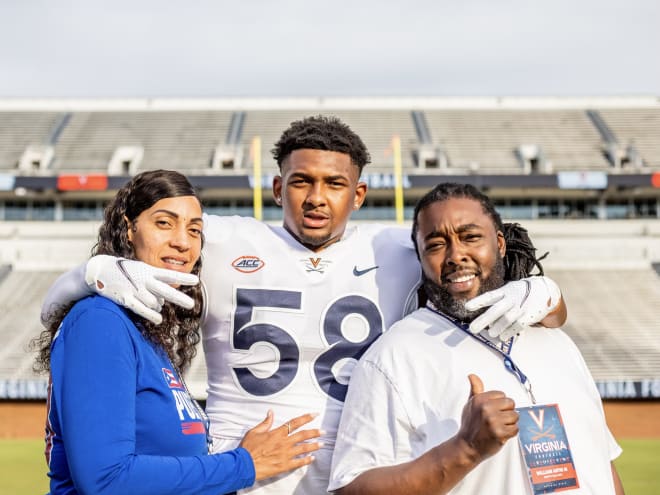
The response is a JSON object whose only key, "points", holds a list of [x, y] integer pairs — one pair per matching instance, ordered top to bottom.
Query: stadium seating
{"points": [[376, 127], [637, 127], [18, 130], [483, 137], [488, 139], [182, 140], [21, 293], [613, 320]]}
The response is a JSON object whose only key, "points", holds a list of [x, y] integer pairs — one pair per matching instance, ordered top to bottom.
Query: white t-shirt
{"points": [[284, 326], [408, 392]]}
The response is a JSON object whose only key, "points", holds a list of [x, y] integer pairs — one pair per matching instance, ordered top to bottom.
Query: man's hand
{"points": [[137, 286], [515, 306], [489, 419], [280, 450]]}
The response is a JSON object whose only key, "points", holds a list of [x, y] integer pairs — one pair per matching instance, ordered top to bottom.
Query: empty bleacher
{"points": [[375, 127], [639, 127], [21, 129], [479, 136], [181, 140], [487, 140], [21, 294], [613, 320]]}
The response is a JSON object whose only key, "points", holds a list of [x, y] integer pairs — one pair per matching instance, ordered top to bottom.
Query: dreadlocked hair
{"points": [[325, 133], [520, 258], [178, 334]]}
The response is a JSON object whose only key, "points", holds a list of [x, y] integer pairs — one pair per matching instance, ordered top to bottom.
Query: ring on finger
{"points": [[288, 428]]}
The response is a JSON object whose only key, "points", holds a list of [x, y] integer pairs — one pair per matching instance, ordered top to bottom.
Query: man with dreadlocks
{"points": [[290, 308], [417, 418]]}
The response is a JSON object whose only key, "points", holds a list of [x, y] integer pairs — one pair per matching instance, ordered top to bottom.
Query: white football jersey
{"points": [[284, 327]]}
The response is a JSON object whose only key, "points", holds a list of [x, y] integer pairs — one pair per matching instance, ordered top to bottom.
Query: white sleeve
{"points": [[69, 287], [374, 431], [614, 448]]}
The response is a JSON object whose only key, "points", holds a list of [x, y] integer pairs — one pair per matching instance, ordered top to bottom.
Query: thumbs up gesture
{"points": [[489, 419]]}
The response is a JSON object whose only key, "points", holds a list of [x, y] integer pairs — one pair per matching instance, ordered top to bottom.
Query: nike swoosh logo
{"points": [[120, 265], [359, 273]]}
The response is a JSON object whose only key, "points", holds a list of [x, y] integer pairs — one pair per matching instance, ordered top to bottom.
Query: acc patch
{"points": [[248, 264]]}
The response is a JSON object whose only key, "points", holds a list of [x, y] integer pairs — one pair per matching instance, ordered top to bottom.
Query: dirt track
{"points": [[22, 419], [626, 419], [633, 419]]}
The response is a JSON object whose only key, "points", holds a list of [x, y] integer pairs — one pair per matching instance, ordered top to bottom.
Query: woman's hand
{"points": [[281, 449]]}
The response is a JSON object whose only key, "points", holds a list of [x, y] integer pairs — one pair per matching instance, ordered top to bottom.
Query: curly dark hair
{"points": [[321, 132], [520, 258], [179, 333]]}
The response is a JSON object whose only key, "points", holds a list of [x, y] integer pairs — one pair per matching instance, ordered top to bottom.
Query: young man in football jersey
{"points": [[291, 308]]}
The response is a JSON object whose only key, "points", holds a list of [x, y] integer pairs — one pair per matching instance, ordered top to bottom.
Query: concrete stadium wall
{"points": [[583, 244], [46, 245]]}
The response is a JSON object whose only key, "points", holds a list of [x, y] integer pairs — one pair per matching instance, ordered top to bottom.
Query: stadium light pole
{"points": [[257, 200]]}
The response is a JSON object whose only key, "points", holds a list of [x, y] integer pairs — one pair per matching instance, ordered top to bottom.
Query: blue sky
{"points": [[206, 48]]}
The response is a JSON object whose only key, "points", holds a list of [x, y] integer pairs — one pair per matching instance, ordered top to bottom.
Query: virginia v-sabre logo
{"points": [[317, 265], [538, 421]]}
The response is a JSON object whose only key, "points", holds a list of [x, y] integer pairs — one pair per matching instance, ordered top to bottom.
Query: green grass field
{"points": [[639, 466], [23, 469]]}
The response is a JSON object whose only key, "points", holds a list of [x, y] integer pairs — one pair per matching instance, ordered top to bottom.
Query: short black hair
{"points": [[321, 132], [519, 260]]}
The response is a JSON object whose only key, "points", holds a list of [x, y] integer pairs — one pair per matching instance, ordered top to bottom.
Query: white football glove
{"points": [[137, 286], [514, 306]]}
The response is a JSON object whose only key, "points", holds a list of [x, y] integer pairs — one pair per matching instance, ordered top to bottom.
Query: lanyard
{"points": [[509, 364]]}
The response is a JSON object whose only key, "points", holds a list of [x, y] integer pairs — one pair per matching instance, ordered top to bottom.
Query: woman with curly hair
{"points": [[120, 418]]}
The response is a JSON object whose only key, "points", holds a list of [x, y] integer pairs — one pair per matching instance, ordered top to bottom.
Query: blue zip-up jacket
{"points": [[120, 420]]}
